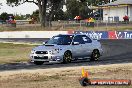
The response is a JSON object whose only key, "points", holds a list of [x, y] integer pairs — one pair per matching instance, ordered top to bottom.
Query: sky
{"points": [[26, 8]]}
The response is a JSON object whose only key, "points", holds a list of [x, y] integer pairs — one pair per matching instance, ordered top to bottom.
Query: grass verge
{"points": [[12, 53]]}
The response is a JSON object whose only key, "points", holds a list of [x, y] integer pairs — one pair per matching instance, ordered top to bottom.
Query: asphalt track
{"points": [[115, 52]]}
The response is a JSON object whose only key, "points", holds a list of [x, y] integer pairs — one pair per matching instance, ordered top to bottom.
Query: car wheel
{"points": [[95, 55], [67, 57], [38, 62]]}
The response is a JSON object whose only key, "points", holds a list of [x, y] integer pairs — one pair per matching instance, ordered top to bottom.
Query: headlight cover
{"points": [[32, 51]]}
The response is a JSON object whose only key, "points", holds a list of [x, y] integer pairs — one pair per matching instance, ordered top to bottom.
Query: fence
{"points": [[99, 22], [69, 24]]}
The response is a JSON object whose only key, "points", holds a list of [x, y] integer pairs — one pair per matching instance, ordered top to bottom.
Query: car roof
{"points": [[72, 34], [75, 35]]}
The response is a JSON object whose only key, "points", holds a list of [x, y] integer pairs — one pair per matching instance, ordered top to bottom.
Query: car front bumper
{"points": [[46, 57]]}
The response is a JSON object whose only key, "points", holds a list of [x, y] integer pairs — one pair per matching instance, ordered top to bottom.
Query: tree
{"points": [[0, 5], [42, 5], [56, 7], [72, 8], [75, 8], [84, 11], [35, 15], [58, 15], [4, 16], [19, 17]]}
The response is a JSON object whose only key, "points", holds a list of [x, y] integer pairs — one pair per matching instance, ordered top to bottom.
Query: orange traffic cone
{"points": [[84, 73], [84, 80]]}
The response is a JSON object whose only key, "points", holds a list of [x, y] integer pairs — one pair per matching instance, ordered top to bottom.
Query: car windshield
{"points": [[60, 40]]}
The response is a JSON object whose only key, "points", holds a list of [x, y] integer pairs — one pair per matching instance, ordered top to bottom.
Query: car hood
{"points": [[47, 47]]}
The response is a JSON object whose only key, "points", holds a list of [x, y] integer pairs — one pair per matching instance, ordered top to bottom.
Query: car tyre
{"points": [[95, 55], [67, 57], [38, 62], [84, 82]]}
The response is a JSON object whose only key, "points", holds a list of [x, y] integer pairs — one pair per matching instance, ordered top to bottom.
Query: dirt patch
{"points": [[63, 77]]}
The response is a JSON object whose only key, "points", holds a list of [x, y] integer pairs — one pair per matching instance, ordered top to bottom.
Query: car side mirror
{"points": [[44, 43], [75, 43]]}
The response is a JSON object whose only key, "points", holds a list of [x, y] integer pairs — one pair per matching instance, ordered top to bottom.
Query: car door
{"points": [[88, 45], [78, 50]]}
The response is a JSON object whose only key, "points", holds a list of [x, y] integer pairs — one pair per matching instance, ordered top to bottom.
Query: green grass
{"points": [[11, 53]]}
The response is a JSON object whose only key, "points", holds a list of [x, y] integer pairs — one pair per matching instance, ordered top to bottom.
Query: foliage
{"points": [[15, 2], [43, 5], [75, 8], [55, 12], [35, 15], [58, 15], [4, 16], [19, 17]]}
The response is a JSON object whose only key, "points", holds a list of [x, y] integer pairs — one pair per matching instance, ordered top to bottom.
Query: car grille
{"points": [[41, 52], [44, 57]]}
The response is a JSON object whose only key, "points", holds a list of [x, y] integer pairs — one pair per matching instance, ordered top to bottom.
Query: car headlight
{"points": [[32, 51], [55, 51]]}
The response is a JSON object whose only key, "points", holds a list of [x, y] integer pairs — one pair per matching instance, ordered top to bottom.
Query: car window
{"points": [[79, 38], [82, 39], [86, 39], [61, 40], [65, 40]]}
